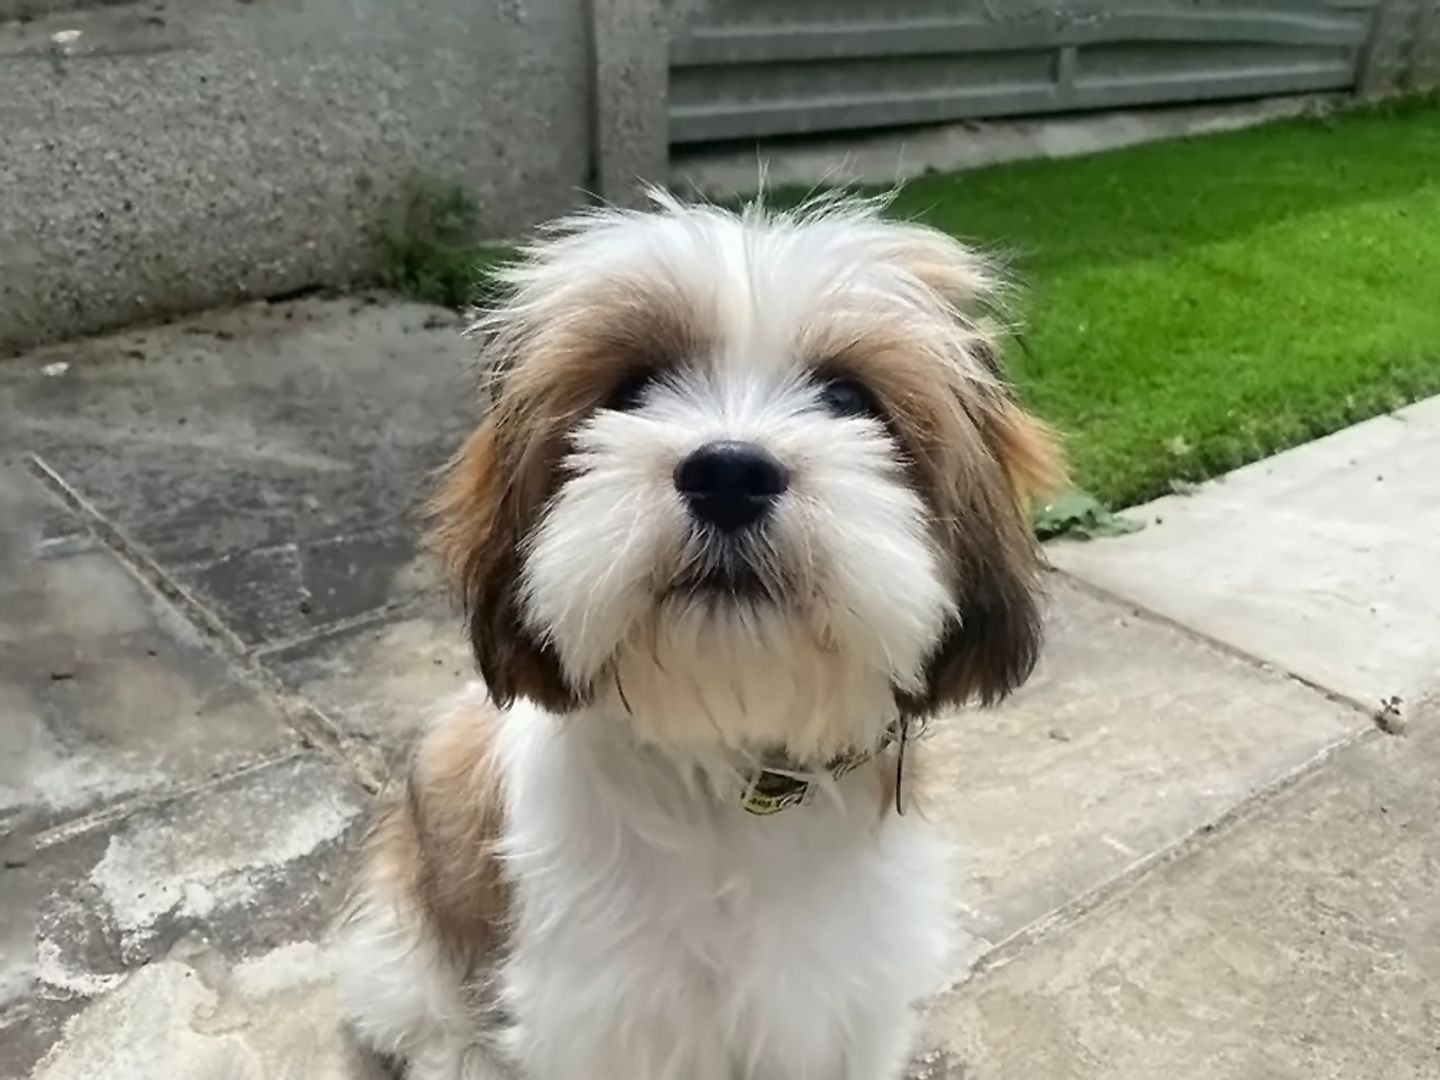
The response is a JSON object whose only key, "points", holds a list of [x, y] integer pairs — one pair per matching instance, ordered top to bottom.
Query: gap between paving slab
{"points": [[268, 458], [1321, 561], [110, 697], [313, 726], [1130, 739], [149, 797]]}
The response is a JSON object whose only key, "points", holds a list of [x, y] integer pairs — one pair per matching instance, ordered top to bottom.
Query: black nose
{"points": [[730, 484]]}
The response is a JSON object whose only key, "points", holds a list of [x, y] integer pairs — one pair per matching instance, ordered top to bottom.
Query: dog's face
{"points": [[752, 480]]}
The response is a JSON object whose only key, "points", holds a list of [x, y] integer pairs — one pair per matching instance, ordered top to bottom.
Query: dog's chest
{"points": [[738, 935]]}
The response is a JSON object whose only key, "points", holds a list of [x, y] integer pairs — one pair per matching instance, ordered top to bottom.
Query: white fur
{"points": [[867, 599], [659, 931], [659, 935]]}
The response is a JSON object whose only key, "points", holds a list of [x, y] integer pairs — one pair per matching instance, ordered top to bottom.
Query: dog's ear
{"points": [[1027, 449], [981, 461], [479, 516], [983, 521]]}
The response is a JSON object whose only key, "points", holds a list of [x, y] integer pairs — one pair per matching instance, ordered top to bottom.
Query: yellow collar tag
{"points": [[772, 790]]}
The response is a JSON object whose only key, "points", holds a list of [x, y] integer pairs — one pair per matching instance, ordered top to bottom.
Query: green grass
{"points": [[426, 244], [1190, 305], [1194, 305]]}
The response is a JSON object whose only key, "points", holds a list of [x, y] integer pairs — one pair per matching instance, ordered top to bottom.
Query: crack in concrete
{"points": [[1140, 611], [388, 612], [155, 797], [1015, 945]]}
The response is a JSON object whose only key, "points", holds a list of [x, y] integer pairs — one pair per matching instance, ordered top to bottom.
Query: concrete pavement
{"points": [[1191, 852], [1301, 941]]}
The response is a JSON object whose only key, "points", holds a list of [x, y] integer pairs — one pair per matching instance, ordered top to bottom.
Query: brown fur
{"points": [[545, 379], [978, 460], [481, 512], [985, 527], [432, 845]]}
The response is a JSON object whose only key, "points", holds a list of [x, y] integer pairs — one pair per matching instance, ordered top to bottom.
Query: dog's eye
{"points": [[630, 394], [846, 397]]}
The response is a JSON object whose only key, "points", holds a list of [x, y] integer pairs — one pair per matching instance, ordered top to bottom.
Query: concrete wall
{"points": [[1403, 52], [161, 156]]}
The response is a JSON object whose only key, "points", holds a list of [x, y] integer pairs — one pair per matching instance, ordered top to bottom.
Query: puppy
{"points": [[746, 508]]}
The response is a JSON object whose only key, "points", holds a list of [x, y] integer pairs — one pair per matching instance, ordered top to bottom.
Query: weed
{"points": [[428, 248]]}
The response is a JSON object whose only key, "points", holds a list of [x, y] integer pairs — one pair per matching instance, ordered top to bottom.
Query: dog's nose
{"points": [[730, 484]]}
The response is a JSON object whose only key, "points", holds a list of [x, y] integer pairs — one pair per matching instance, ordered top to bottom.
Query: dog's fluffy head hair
{"points": [[895, 572]]}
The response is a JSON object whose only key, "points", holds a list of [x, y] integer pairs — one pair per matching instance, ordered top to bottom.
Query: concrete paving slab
{"points": [[271, 456], [268, 459], [1324, 560], [273, 594], [379, 681], [106, 691], [1130, 737], [236, 881], [1303, 944], [199, 1019]]}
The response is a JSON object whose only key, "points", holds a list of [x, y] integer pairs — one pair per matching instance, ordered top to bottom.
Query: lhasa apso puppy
{"points": [[746, 508]]}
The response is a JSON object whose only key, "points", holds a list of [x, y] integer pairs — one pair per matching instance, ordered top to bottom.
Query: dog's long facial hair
{"points": [[751, 484], [748, 488]]}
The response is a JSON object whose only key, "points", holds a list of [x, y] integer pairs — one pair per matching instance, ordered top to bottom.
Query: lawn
{"points": [[1196, 304], [1189, 306]]}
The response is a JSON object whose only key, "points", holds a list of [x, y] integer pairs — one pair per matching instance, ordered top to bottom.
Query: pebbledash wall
{"points": [[172, 154], [165, 155]]}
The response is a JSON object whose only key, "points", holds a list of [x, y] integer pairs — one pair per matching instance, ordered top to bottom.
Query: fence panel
{"points": [[746, 69]]}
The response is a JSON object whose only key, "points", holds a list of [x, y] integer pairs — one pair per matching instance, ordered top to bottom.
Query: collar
{"points": [[770, 790]]}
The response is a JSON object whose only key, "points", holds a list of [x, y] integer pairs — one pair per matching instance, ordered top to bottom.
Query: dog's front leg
{"points": [[879, 1045], [637, 1047], [452, 1056]]}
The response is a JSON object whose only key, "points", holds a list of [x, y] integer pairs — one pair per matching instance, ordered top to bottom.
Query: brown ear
{"points": [[1027, 449], [981, 460], [478, 521], [992, 647], [989, 651]]}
